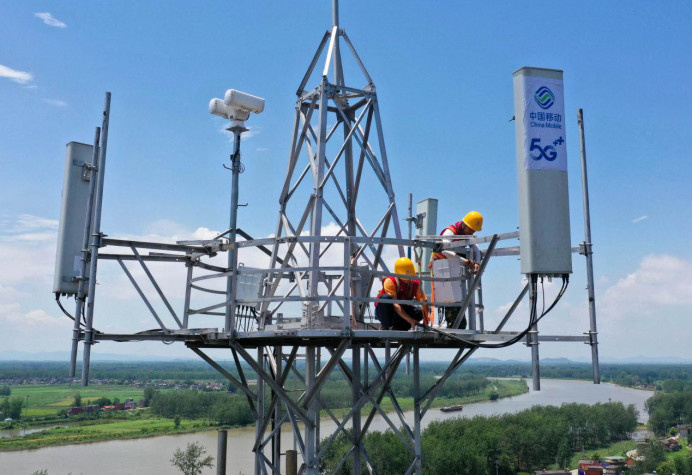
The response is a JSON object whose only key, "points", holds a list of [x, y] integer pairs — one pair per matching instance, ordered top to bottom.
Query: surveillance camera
{"points": [[244, 101], [221, 109]]}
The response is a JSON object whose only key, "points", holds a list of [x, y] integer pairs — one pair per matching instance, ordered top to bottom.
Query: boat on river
{"points": [[454, 408]]}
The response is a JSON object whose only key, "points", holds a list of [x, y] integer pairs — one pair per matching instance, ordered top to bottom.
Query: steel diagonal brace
{"points": [[355, 55], [315, 58], [343, 146], [296, 147], [365, 147], [361, 159], [289, 254], [377, 261], [476, 281], [156, 286], [141, 294], [459, 360], [324, 373], [383, 377], [301, 378], [282, 380], [240, 385], [278, 390], [431, 393], [368, 395], [399, 411], [340, 425], [297, 432], [259, 445], [344, 458], [263, 461], [268, 462], [368, 462]]}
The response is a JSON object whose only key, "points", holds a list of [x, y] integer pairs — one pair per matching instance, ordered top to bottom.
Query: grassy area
{"points": [[49, 399], [132, 427], [617, 448]]}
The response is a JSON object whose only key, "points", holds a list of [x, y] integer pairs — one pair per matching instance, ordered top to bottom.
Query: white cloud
{"points": [[50, 20], [20, 77], [55, 102], [641, 218], [29, 222], [27, 250], [660, 283], [10, 294], [35, 326]]}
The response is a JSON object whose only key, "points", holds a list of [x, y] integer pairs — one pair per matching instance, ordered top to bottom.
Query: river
{"points": [[152, 455]]}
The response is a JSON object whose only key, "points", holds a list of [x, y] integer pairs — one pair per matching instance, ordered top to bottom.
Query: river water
{"points": [[152, 455]]}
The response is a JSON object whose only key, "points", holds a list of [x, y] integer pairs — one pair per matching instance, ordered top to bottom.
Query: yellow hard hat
{"points": [[473, 220], [403, 265]]}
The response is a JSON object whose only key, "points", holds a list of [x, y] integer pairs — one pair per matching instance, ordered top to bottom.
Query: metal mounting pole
{"points": [[95, 242], [233, 250], [588, 253], [81, 294], [532, 339], [355, 385], [276, 416], [310, 436], [221, 447], [418, 449], [259, 462]]}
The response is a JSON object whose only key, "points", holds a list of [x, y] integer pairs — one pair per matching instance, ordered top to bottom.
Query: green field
{"points": [[45, 400], [133, 427]]}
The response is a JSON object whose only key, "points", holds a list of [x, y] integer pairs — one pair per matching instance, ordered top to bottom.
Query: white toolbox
{"points": [[448, 291]]}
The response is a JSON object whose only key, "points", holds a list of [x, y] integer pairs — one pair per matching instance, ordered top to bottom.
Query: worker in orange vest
{"points": [[470, 224], [394, 316]]}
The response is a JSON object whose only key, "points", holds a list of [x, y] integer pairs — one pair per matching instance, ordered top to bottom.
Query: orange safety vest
{"points": [[455, 230], [403, 292]]}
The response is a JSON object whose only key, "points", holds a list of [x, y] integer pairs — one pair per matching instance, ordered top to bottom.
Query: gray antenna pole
{"points": [[95, 242], [588, 253], [231, 290]]}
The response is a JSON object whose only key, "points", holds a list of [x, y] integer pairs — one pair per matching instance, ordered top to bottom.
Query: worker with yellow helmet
{"points": [[470, 224], [394, 316]]}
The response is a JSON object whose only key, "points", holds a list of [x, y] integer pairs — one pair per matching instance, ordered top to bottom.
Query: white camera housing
{"points": [[241, 100], [219, 108]]}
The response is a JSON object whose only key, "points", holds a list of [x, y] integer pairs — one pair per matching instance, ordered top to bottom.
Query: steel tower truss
{"points": [[338, 132], [338, 135]]}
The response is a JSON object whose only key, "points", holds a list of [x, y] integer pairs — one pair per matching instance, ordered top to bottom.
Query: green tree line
{"points": [[11, 407], [220, 407], [669, 409], [526, 441]]}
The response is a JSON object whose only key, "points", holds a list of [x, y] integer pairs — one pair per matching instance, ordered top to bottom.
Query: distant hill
{"points": [[95, 356]]}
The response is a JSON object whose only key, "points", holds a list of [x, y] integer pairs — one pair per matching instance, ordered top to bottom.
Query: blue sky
{"points": [[444, 76]]}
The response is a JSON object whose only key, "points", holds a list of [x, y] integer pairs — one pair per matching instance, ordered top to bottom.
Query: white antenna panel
{"points": [[75, 198]]}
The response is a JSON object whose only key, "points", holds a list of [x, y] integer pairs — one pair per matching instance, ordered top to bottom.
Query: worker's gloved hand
{"points": [[437, 247]]}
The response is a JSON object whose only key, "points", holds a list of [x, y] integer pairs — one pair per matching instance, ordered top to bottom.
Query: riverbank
{"points": [[139, 425], [153, 454]]}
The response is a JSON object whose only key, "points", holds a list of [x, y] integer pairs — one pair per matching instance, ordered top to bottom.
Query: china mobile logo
{"points": [[544, 97]]}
